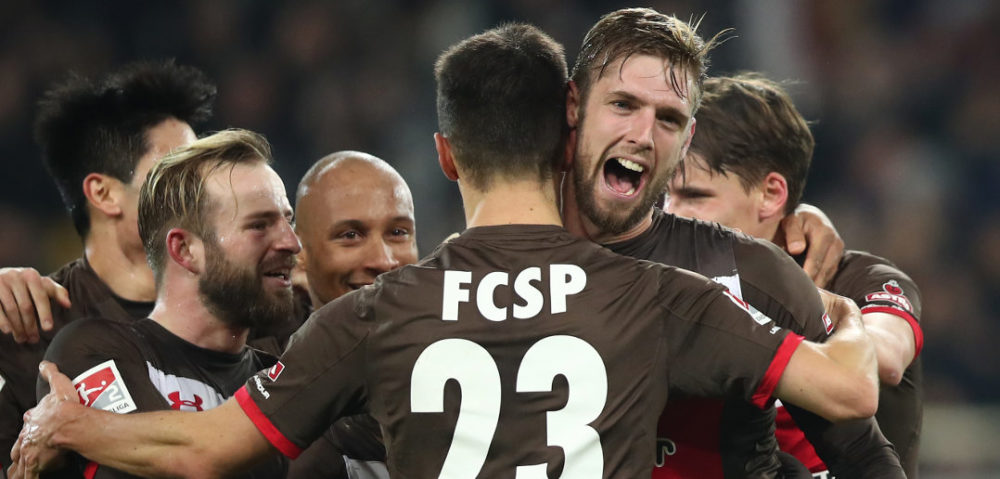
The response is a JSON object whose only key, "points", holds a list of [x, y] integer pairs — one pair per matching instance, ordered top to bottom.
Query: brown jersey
{"points": [[876, 285], [90, 298], [516, 350], [141, 366], [725, 437]]}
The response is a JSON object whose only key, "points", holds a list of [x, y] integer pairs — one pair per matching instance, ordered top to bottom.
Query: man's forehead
{"points": [[674, 78], [246, 187]]}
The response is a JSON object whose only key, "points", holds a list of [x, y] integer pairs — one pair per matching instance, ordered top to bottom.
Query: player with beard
{"points": [[635, 90], [747, 169], [215, 224], [519, 378]]}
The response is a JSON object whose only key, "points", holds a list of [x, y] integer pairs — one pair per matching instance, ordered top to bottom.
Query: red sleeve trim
{"points": [[918, 334], [775, 370], [264, 425], [90, 472]]}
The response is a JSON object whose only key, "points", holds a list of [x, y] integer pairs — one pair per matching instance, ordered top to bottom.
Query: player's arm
{"points": [[809, 230], [24, 302], [894, 342], [836, 379], [211, 443]]}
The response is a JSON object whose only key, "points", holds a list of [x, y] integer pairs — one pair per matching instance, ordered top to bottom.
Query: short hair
{"points": [[643, 31], [501, 102], [88, 125], [748, 126], [173, 195]]}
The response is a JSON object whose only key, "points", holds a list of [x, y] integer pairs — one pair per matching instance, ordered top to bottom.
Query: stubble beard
{"points": [[610, 222]]}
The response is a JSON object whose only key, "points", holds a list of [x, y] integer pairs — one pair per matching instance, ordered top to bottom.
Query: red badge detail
{"points": [[892, 287], [900, 301], [739, 302], [828, 323], [275, 371], [91, 387], [176, 403]]}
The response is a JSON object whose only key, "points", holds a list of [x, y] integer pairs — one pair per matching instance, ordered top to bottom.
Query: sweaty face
{"points": [[632, 131], [697, 192], [356, 222], [249, 258]]}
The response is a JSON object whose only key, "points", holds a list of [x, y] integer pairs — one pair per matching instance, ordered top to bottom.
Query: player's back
{"points": [[526, 348], [516, 351]]}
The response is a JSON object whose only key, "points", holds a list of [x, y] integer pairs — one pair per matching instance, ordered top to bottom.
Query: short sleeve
{"points": [[717, 348], [319, 378]]}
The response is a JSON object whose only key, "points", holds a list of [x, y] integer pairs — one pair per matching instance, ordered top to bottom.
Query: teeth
{"points": [[629, 164], [630, 191]]}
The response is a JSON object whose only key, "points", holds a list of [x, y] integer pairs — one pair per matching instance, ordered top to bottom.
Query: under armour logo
{"points": [[177, 403], [664, 447]]}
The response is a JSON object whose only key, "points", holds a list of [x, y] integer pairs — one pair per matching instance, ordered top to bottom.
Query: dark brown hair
{"points": [[501, 102], [749, 126]]}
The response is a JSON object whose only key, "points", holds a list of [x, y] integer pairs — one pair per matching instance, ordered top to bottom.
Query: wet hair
{"points": [[623, 33], [501, 102], [86, 125], [748, 126], [174, 196]]}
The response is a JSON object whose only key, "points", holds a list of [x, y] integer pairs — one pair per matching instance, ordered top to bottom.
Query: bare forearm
{"points": [[894, 345], [852, 349], [156, 444]]}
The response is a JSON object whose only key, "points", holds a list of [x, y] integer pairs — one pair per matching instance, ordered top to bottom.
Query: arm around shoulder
{"points": [[837, 379], [211, 443]]}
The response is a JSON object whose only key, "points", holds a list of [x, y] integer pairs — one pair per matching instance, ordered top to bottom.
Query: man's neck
{"points": [[517, 202], [126, 273], [179, 309]]}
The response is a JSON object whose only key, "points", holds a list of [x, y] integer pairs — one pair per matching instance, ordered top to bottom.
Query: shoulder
{"points": [[867, 278], [91, 337]]}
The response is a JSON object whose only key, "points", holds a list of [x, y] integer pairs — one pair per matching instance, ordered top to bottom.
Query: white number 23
{"points": [[476, 372]]}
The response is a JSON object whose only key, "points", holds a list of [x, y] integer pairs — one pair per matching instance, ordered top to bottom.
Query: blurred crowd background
{"points": [[902, 94]]}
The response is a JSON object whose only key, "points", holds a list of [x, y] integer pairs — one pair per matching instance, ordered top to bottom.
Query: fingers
{"points": [[795, 239], [816, 257], [13, 295], [24, 299], [59, 384]]}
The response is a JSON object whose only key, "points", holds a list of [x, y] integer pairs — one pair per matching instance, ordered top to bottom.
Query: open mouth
{"points": [[623, 176], [283, 275]]}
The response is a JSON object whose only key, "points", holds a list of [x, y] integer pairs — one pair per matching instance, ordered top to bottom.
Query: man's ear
{"points": [[572, 105], [445, 157], [103, 193], [774, 196], [186, 250]]}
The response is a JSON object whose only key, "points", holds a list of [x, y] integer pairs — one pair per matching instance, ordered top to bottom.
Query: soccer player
{"points": [[635, 91], [98, 137], [747, 169], [354, 216], [215, 222], [515, 348]]}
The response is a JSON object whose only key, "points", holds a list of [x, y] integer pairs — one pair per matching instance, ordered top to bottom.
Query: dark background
{"points": [[902, 93]]}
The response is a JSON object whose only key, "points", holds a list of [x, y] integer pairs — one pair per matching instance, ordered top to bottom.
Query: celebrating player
{"points": [[636, 88], [98, 138], [747, 169], [515, 348]]}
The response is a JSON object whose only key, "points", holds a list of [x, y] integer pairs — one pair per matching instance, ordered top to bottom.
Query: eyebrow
{"points": [[661, 112], [687, 190], [268, 214]]}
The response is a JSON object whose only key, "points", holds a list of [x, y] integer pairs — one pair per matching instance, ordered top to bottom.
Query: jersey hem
{"points": [[918, 334], [766, 388], [265, 426]]}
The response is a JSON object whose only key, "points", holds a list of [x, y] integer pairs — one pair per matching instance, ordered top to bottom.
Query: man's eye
{"points": [[621, 104], [258, 225], [400, 232], [350, 235]]}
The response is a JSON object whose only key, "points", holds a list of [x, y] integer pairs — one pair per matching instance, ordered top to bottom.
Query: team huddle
{"points": [[626, 298]]}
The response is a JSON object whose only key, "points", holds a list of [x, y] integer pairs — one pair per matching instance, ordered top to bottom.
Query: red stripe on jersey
{"points": [[918, 334], [775, 370], [264, 425], [792, 440], [90, 472]]}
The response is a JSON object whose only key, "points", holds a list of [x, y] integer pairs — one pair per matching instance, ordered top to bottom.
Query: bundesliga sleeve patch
{"points": [[827, 323], [275, 371], [102, 387]]}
